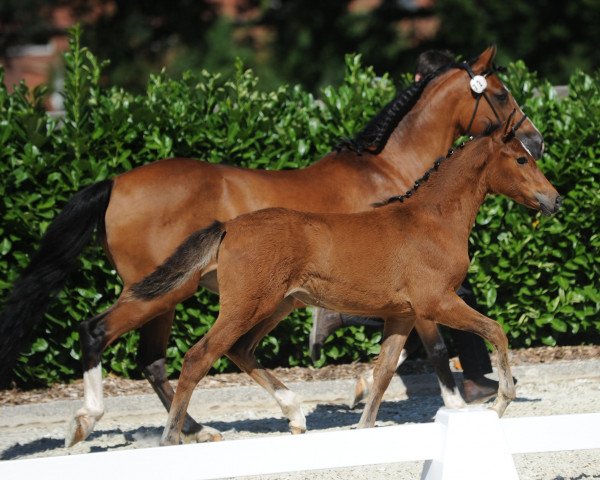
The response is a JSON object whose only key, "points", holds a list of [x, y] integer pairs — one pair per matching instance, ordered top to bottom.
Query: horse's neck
{"points": [[423, 135]]}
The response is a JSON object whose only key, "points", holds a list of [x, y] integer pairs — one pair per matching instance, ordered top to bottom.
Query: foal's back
{"points": [[319, 258]]}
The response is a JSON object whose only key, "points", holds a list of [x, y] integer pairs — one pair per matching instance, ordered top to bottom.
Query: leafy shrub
{"points": [[539, 277]]}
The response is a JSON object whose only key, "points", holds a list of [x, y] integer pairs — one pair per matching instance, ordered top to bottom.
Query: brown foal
{"points": [[147, 212], [402, 262]]}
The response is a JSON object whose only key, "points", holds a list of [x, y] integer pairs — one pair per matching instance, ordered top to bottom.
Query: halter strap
{"points": [[466, 67]]}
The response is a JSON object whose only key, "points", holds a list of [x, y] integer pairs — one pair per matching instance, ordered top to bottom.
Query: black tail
{"points": [[49, 268]]}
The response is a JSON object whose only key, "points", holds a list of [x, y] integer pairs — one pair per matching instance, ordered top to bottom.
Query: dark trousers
{"points": [[472, 352]]}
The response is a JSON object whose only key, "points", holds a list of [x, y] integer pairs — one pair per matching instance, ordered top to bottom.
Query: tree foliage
{"points": [[304, 41], [537, 276]]}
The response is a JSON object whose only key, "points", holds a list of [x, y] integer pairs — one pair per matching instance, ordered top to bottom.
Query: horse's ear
{"points": [[484, 61]]}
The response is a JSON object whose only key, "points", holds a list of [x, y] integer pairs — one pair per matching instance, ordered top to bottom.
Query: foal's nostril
{"points": [[558, 203]]}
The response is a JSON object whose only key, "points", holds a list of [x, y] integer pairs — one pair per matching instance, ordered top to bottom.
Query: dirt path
{"points": [[136, 421]]}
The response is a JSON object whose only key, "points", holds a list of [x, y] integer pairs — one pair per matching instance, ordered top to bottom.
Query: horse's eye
{"points": [[502, 97], [522, 160]]}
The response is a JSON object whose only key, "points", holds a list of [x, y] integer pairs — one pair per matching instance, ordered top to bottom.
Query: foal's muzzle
{"points": [[548, 205]]}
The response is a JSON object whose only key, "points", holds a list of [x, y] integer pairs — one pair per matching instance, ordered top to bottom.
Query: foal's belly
{"points": [[356, 302]]}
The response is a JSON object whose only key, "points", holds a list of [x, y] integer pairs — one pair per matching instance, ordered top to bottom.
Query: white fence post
{"points": [[473, 447]]}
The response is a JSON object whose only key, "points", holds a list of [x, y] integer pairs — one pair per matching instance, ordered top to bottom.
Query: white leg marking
{"points": [[403, 356], [92, 391], [452, 397], [290, 406], [93, 408]]}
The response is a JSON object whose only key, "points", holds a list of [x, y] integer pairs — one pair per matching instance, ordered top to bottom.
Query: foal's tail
{"points": [[198, 250], [48, 270]]}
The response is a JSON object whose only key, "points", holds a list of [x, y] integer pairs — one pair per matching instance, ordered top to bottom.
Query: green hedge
{"points": [[538, 276]]}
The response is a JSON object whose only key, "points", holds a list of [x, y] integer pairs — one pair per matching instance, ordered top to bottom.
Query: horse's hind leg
{"points": [[91, 332], [395, 332], [95, 335], [154, 337], [242, 353], [438, 356], [364, 384]]}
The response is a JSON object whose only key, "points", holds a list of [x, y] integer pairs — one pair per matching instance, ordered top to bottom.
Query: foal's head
{"points": [[484, 100], [512, 171]]}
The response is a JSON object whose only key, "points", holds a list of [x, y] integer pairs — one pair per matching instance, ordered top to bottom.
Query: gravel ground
{"points": [[547, 387]]}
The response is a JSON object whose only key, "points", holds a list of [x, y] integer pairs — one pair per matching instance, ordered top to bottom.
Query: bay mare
{"points": [[144, 214], [402, 262]]}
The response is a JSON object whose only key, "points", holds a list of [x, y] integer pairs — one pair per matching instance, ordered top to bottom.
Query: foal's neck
{"points": [[456, 191]]}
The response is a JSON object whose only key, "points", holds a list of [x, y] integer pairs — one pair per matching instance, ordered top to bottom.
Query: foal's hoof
{"points": [[361, 391], [79, 429], [296, 430], [202, 435]]}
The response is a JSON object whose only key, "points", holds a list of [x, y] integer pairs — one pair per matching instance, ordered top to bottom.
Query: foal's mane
{"points": [[491, 128], [374, 136]]}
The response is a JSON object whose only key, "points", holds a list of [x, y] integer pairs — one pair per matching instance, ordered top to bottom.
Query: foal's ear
{"points": [[484, 61], [508, 123]]}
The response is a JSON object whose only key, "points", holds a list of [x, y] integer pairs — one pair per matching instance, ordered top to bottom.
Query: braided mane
{"points": [[491, 128], [374, 136]]}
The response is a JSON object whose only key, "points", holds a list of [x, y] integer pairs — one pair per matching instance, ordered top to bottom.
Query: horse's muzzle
{"points": [[548, 205]]}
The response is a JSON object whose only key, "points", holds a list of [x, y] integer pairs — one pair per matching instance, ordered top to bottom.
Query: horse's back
{"points": [[153, 208]]}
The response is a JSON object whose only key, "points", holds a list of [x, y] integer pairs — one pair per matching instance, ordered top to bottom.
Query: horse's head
{"points": [[484, 100], [512, 170]]}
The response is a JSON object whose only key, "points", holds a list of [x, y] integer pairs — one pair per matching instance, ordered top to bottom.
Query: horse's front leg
{"points": [[452, 311], [395, 332], [154, 337], [438, 356]]}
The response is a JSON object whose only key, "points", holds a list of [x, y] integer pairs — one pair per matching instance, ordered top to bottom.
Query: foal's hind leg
{"points": [[235, 320], [394, 336], [154, 337], [242, 353]]}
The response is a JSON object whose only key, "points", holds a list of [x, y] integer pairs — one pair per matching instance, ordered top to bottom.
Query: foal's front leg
{"points": [[452, 311], [395, 332]]}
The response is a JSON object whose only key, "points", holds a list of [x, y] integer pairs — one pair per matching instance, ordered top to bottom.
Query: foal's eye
{"points": [[522, 160]]}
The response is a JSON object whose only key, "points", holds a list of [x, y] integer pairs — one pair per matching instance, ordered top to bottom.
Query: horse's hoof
{"points": [[361, 391], [79, 429], [203, 435]]}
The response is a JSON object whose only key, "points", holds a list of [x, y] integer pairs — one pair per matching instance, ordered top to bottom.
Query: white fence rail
{"points": [[454, 446]]}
